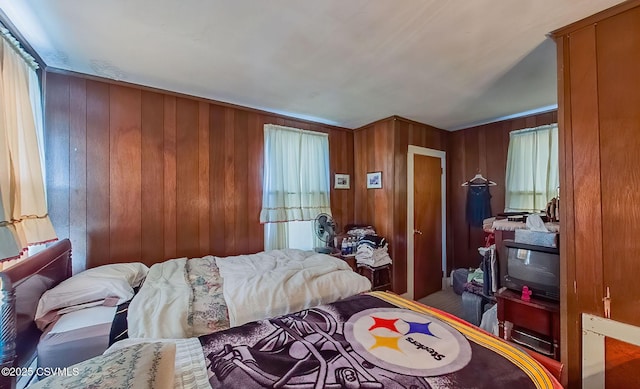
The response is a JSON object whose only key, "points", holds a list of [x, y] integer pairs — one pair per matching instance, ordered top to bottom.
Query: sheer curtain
{"points": [[532, 168], [295, 182], [23, 208]]}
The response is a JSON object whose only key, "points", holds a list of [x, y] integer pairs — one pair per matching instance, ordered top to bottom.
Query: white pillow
{"points": [[132, 272], [93, 286], [145, 365]]}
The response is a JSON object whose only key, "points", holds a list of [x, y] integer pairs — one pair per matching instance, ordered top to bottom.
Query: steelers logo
{"points": [[407, 342]]}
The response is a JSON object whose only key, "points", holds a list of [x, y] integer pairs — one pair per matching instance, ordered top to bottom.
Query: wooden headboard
{"points": [[29, 279]]}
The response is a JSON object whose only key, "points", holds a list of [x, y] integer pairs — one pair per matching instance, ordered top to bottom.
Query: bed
{"points": [[22, 286], [180, 298], [372, 340]]}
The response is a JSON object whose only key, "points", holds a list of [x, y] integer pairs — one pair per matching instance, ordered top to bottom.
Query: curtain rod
{"points": [[17, 47], [546, 126], [293, 129]]}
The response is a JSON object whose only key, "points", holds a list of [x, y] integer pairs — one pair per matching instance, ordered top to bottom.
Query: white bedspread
{"points": [[278, 282], [255, 287], [160, 308]]}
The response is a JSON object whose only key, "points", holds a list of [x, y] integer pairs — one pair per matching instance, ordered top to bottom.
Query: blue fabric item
{"points": [[478, 204], [487, 274]]}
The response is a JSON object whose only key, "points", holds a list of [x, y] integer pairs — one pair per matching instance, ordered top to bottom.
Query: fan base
{"points": [[323, 250]]}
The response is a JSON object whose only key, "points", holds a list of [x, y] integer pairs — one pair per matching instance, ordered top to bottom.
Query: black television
{"points": [[536, 267]]}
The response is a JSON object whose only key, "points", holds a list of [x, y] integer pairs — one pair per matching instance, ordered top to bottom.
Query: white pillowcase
{"points": [[132, 272], [93, 286]]}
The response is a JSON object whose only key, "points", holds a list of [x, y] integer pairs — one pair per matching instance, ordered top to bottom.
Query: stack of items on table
{"points": [[372, 251]]}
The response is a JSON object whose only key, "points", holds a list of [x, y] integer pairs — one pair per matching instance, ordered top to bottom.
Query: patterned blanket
{"points": [[376, 340]]}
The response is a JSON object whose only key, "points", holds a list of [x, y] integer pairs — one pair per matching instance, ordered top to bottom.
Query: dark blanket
{"points": [[119, 325], [376, 340]]}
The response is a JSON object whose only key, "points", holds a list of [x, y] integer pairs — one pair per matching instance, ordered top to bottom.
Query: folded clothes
{"points": [[373, 241], [372, 257]]}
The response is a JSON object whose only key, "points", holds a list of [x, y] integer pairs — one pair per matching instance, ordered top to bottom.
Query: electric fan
{"points": [[325, 228]]}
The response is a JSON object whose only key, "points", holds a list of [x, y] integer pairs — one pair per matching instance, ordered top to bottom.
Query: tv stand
{"points": [[534, 324]]}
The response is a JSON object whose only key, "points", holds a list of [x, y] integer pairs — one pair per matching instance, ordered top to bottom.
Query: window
{"points": [[532, 168], [295, 186]]}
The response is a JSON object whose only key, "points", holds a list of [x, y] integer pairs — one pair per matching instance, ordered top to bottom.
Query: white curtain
{"points": [[532, 168], [295, 182], [23, 208]]}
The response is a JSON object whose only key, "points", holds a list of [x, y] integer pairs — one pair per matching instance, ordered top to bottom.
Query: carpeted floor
{"points": [[445, 300]]}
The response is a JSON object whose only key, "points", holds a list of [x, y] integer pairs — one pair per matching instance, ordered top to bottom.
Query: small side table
{"points": [[349, 259], [380, 277], [533, 318]]}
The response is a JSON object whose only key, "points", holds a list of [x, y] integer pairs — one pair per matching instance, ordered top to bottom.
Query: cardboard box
{"points": [[537, 238]]}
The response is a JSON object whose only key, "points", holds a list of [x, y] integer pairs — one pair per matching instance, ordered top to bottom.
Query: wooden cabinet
{"points": [[599, 120], [537, 322]]}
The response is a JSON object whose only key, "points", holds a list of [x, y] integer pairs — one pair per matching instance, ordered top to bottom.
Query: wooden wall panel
{"points": [[619, 113], [383, 146], [481, 149], [342, 153], [58, 154], [374, 154], [152, 159], [255, 161], [586, 164], [78, 169], [125, 174], [138, 174], [187, 174], [170, 178], [203, 178], [216, 180], [98, 189], [569, 325]]}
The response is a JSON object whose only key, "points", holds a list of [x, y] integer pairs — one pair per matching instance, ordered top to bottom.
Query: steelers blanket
{"points": [[375, 340]]}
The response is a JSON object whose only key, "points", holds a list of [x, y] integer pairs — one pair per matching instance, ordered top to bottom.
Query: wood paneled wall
{"points": [[599, 114], [383, 146], [480, 149], [136, 174], [140, 174]]}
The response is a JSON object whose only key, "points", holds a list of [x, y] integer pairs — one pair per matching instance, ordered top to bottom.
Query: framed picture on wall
{"points": [[374, 180], [342, 181]]}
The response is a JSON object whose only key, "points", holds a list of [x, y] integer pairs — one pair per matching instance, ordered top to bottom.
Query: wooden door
{"points": [[427, 216]]}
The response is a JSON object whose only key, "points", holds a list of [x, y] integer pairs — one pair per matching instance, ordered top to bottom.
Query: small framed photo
{"points": [[374, 180], [342, 181]]}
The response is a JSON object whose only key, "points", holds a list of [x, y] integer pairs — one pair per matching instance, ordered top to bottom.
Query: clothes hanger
{"points": [[479, 180]]}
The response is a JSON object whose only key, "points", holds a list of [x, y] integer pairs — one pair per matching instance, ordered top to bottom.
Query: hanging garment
{"points": [[478, 205]]}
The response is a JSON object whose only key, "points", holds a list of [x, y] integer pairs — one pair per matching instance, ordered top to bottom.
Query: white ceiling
{"points": [[448, 63]]}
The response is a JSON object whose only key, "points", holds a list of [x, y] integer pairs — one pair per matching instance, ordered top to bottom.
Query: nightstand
{"points": [[349, 259], [380, 277]]}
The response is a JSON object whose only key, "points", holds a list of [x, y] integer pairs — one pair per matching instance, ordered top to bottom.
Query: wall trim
{"points": [[411, 152]]}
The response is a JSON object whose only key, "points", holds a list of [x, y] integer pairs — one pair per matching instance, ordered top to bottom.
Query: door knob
{"points": [[417, 232]]}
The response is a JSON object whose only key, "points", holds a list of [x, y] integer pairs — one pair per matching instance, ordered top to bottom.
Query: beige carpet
{"points": [[445, 300]]}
